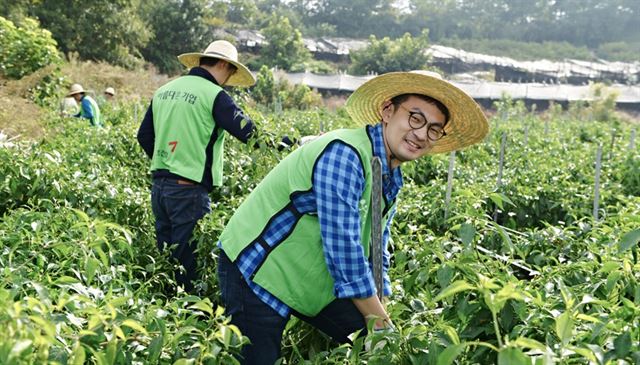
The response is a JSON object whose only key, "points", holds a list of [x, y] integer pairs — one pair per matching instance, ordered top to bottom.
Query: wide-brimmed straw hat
{"points": [[222, 50], [75, 89], [110, 91], [467, 123]]}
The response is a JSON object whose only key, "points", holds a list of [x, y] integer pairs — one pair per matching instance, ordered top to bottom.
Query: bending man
{"points": [[299, 244]]}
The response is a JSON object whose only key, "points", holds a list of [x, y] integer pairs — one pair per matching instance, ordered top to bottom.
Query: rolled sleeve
{"points": [[338, 183], [363, 287]]}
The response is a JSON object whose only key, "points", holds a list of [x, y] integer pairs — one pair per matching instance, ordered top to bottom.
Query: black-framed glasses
{"points": [[417, 120]]}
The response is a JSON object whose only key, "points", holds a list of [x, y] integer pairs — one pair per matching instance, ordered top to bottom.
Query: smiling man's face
{"points": [[402, 141]]}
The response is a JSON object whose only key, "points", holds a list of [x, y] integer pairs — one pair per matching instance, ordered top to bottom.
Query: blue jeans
{"points": [[177, 209], [264, 326]]}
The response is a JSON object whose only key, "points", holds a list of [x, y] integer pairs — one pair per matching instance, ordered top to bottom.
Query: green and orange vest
{"points": [[183, 124]]}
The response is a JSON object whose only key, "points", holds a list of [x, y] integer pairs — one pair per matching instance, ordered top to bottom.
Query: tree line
{"points": [[130, 32]]}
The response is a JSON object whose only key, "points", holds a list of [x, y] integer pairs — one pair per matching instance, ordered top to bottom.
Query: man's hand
{"points": [[372, 308], [381, 325], [385, 327]]}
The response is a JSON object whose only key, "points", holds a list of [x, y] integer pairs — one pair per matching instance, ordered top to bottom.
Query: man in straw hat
{"points": [[109, 93], [88, 107], [183, 133], [299, 243]]}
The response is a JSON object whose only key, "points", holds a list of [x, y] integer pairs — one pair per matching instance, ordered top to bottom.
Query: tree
{"points": [[268, 9], [15, 10], [242, 12], [355, 18], [579, 22], [178, 26], [101, 30], [285, 47], [387, 55], [264, 91]]}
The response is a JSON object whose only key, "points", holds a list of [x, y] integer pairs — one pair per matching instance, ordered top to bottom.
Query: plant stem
{"points": [[497, 328]]}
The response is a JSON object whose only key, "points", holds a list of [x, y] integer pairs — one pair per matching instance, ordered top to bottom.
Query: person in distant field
{"points": [[109, 93], [68, 106], [88, 107], [183, 133], [299, 244]]}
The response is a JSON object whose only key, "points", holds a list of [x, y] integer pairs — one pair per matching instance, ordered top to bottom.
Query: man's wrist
{"points": [[382, 324], [386, 327]]}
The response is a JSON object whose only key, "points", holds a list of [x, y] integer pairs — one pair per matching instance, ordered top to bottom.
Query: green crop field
{"points": [[519, 273]]}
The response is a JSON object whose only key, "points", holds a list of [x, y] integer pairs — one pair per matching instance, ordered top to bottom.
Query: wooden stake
{"points": [[546, 128], [613, 139], [500, 167], [596, 198], [447, 199]]}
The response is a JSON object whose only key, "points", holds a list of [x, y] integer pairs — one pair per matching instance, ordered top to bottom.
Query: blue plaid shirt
{"points": [[338, 184]]}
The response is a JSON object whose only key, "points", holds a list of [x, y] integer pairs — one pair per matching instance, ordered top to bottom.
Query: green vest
{"points": [[96, 112], [183, 124], [294, 270]]}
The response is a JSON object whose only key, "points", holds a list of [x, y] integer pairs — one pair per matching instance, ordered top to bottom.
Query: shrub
{"points": [[25, 48], [619, 51], [386, 55], [315, 66], [280, 93], [604, 103], [507, 108], [601, 108]]}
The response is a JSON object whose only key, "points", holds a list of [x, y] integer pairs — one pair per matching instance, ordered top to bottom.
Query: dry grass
{"points": [[138, 85], [333, 102], [20, 116]]}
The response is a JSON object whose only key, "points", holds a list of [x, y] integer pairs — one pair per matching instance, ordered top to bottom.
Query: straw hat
{"points": [[222, 50], [75, 89], [110, 91], [467, 123]]}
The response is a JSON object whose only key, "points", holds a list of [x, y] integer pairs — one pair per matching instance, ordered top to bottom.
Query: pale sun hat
{"points": [[222, 50], [75, 89], [110, 91], [467, 123]]}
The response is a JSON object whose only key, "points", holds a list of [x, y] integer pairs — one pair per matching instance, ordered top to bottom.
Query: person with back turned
{"points": [[183, 132]]}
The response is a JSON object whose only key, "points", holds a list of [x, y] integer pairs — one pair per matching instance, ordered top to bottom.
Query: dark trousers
{"points": [[177, 209], [264, 326]]}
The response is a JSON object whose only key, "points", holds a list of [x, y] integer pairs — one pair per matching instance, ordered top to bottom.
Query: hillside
{"points": [[20, 113]]}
